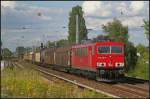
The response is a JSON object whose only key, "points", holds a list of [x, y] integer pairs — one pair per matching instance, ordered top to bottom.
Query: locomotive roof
{"points": [[98, 43]]}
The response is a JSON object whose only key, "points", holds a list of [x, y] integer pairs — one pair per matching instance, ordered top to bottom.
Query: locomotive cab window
{"points": [[104, 49], [116, 49]]}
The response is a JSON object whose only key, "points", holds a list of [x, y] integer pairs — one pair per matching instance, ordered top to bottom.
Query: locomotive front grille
{"points": [[110, 74]]}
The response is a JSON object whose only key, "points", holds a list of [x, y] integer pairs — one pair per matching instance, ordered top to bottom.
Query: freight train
{"points": [[103, 61]]}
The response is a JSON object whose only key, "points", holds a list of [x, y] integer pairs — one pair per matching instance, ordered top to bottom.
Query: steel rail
{"points": [[79, 84]]}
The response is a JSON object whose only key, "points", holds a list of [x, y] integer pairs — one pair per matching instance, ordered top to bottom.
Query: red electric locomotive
{"points": [[104, 59]]}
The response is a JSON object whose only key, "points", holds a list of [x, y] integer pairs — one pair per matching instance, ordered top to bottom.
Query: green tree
{"points": [[77, 10], [146, 27], [117, 32], [62, 42], [50, 44], [38, 48], [141, 48], [144, 52], [6, 53], [130, 56], [142, 66]]}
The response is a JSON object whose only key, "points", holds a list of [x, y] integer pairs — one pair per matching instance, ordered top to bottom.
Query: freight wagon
{"points": [[47, 56], [25, 57], [29, 57], [37, 58], [62, 58]]}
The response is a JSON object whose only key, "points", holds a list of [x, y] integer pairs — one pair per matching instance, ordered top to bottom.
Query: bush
{"points": [[131, 56], [142, 66]]}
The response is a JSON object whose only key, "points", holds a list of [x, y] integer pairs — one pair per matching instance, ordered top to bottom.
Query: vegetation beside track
{"points": [[142, 67], [28, 83]]}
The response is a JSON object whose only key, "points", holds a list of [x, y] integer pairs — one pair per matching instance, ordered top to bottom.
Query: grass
{"points": [[142, 68], [16, 83]]}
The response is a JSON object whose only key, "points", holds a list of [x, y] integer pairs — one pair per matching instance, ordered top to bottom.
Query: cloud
{"points": [[10, 4], [136, 6], [90, 7], [122, 7], [96, 8], [132, 8], [133, 13], [21, 16], [13, 18], [132, 22], [96, 23], [137, 36]]}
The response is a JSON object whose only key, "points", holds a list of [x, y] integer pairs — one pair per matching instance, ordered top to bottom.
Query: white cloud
{"points": [[10, 4], [137, 6], [90, 7], [122, 7], [96, 8], [133, 8], [24, 16], [46, 18], [133, 22], [93, 23], [138, 37]]}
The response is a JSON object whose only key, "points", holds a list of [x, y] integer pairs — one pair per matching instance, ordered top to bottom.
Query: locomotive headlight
{"points": [[101, 64], [119, 64]]}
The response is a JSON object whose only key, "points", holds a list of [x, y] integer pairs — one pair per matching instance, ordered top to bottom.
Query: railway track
{"points": [[18, 65], [119, 90]]}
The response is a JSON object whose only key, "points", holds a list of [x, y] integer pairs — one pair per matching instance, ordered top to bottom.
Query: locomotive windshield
{"points": [[104, 49], [109, 49], [116, 49]]}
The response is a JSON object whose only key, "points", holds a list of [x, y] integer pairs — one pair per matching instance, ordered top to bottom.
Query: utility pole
{"points": [[120, 19], [77, 29]]}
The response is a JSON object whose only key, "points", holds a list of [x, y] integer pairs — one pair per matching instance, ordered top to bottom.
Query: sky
{"points": [[21, 24]]}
